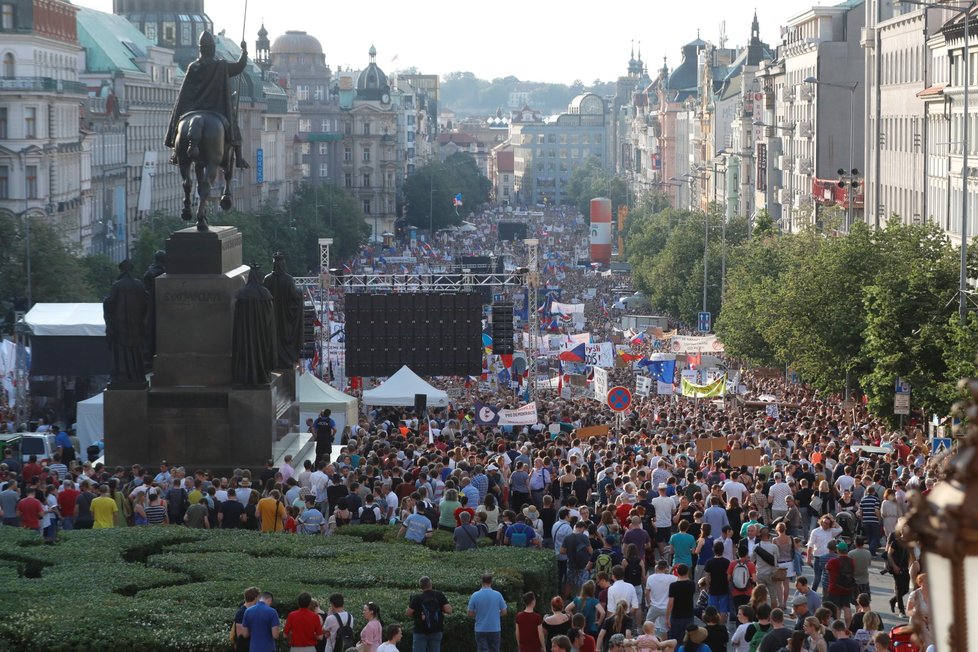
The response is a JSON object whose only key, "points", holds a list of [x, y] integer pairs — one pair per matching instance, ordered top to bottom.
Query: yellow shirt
{"points": [[104, 509], [270, 511]]}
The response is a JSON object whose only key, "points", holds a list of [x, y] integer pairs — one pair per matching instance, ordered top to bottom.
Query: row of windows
{"points": [[905, 66], [303, 92], [565, 139], [574, 152], [30, 183]]}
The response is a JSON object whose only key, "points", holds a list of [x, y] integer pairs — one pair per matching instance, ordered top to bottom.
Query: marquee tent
{"points": [[68, 339], [399, 391], [314, 396], [90, 421]]}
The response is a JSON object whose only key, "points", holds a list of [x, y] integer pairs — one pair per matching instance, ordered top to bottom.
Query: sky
{"points": [[534, 41]]}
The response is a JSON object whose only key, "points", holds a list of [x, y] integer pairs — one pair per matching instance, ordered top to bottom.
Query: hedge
{"points": [[160, 589]]}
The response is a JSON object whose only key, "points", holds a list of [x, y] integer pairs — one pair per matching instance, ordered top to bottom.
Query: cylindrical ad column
{"points": [[601, 231]]}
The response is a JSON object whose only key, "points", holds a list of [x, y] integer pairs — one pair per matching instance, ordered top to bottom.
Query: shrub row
{"points": [[158, 589]]}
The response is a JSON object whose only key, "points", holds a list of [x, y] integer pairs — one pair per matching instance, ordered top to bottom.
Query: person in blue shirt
{"points": [[67, 449], [416, 527], [683, 544], [488, 607], [261, 625]]}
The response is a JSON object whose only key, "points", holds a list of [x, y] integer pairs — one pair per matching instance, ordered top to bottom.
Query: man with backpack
{"points": [[369, 513], [521, 535], [578, 549], [742, 574], [842, 579], [428, 609], [338, 626]]}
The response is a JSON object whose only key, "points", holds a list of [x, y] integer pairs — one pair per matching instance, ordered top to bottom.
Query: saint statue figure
{"points": [[207, 87], [156, 269], [288, 313], [125, 326], [253, 333]]}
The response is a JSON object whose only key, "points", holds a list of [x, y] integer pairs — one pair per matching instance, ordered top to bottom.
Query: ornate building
{"points": [[173, 24]]}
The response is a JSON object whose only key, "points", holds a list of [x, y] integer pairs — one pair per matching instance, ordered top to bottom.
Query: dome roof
{"points": [[297, 42], [372, 83]]}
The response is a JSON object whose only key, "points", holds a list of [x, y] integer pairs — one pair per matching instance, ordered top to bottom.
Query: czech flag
{"points": [[457, 201], [638, 339], [576, 354], [629, 357]]}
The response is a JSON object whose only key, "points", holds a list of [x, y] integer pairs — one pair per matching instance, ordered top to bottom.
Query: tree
{"points": [[591, 180], [430, 192], [908, 306]]}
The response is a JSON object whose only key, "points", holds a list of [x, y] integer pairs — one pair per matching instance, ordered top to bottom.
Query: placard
{"points": [[600, 384], [643, 385], [592, 431], [710, 444], [746, 457]]}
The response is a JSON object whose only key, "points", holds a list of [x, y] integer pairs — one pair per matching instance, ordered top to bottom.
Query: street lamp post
{"points": [[966, 75], [851, 172], [706, 235]]}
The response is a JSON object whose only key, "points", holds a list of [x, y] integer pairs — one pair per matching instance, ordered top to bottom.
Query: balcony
{"points": [[42, 84], [805, 129]]}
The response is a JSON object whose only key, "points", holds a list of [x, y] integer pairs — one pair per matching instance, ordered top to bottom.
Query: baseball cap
{"points": [[492, 467], [663, 485], [842, 546], [799, 600]]}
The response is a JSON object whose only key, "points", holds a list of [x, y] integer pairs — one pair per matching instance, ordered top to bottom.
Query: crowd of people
{"points": [[661, 543]]}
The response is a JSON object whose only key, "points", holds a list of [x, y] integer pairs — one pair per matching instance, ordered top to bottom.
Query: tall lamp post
{"points": [[966, 9], [851, 173], [706, 233]]}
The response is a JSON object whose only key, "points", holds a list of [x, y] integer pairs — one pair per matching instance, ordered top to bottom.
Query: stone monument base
{"points": [[192, 415]]}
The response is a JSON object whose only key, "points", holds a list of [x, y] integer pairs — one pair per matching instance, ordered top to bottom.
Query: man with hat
{"points": [[799, 605]]}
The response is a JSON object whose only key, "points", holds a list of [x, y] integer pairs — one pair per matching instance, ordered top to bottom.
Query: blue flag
{"points": [[662, 370]]}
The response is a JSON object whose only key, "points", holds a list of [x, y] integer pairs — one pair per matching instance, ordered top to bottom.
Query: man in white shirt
{"points": [[845, 481], [319, 482], [734, 488], [777, 494], [665, 507], [818, 546], [621, 591], [657, 595], [337, 616]]}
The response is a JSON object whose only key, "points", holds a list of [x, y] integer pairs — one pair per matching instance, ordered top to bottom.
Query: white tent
{"points": [[66, 319], [399, 391], [314, 396], [90, 419]]}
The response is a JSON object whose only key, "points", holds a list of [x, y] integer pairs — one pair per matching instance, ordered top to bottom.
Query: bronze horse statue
{"points": [[201, 142]]}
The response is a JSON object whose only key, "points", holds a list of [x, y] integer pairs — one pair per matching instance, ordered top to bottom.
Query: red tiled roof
{"points": [[933, 91]]}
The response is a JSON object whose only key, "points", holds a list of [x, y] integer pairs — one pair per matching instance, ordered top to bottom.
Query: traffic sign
{"points": [[704, 321], [901, 386], [619, 398], [901, 404], [940, 445]]}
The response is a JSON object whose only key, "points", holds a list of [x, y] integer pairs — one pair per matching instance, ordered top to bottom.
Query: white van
{"points": [[26, 444]]}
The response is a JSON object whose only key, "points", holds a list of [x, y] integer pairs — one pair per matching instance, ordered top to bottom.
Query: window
{"points": [[7, 16], [150, 31], [185, 36], [9, 66], [302, 92], [319, 94], [30, 122], [3, 123], [305, 125], [325, 125], [348, 128], [366, 128], [410, 136], [305, 149], [323, 149], [347, 153], [366, 154], [323, 170], [505, 178], [390, 179], [348, 180], [4, 182], [32, 182], [365, 182], [366, 207]]}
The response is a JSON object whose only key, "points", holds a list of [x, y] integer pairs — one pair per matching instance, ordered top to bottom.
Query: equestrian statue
{"points": [[203, 130]]}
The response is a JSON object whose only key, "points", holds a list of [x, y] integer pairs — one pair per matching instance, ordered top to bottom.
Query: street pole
{"points": [[852, 139], [706, 238], [963, 280]]}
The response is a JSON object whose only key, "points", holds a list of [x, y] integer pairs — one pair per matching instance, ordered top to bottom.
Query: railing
{"points": [[42, 84]]}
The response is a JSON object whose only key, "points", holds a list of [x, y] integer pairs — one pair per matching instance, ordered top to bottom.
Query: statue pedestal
{"points": [[192, 415]]}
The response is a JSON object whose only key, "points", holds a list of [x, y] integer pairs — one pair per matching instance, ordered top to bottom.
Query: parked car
{"points": [[25, 444]]}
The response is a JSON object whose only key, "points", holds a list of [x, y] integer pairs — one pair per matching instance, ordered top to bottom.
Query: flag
{"points": [[457, 201], [427, 247], [382, 260], [638, 338], [486, 340], [576, 354], [630, 357], [507, 360], [694, 360], [662, 370], [486, 415]]}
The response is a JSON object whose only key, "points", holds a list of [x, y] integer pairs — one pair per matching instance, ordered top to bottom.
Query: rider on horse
{"points": [[206, 87]]}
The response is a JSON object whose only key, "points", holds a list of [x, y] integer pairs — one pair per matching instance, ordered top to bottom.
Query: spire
{"points": [[755, 30], [640, 52], [373, 54], [632, 57]]}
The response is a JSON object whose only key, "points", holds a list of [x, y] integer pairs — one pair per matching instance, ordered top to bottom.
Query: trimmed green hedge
{"points": [[159, 589]]}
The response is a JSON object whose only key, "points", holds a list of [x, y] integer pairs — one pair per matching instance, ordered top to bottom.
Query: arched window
{"points": [[9, 66]]}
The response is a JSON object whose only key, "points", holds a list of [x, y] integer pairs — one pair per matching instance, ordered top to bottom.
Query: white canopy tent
{"points": [[66, 319], [399, 391], [314, 396], [90, 420]]}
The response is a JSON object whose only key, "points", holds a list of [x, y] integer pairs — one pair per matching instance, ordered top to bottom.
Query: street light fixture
{"points": [[967, 10], [761, 123], [852, 172]]}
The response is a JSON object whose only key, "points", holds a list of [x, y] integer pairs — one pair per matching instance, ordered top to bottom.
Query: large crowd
{"points": [[660, 542]]}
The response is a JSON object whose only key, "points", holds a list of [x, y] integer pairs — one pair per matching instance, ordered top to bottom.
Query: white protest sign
{"points": [[600, 384], [643, 385], [525, 415]]}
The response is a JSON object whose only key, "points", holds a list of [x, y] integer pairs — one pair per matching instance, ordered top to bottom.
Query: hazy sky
{"points": [[535, 41]]}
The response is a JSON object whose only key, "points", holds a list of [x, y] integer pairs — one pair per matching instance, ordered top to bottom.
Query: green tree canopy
{"points": [[430, 191]]}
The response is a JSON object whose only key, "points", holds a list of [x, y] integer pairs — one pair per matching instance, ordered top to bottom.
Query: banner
{"points": [[557, 308], [691, 344], [601, 354], [600, 384], [643, 385], [664, 389], [714, 389], [525, 415], [592, 431]]}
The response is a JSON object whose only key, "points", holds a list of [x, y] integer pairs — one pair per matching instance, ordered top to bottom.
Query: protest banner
{"points": [[695, 344], [592, 431], [709, 444], [746, 457]]}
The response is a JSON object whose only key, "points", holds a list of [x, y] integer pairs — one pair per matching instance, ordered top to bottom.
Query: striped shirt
{"points": [[869, 506], [155, 514]]}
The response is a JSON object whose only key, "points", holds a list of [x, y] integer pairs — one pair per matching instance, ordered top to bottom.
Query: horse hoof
{"points": [[226, 202], [187, 215]]}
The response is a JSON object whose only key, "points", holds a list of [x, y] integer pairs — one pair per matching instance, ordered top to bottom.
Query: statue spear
{"points": [[237, 99]]}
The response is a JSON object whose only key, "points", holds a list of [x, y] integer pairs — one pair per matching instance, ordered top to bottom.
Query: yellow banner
{"points": [[714, 389]]}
